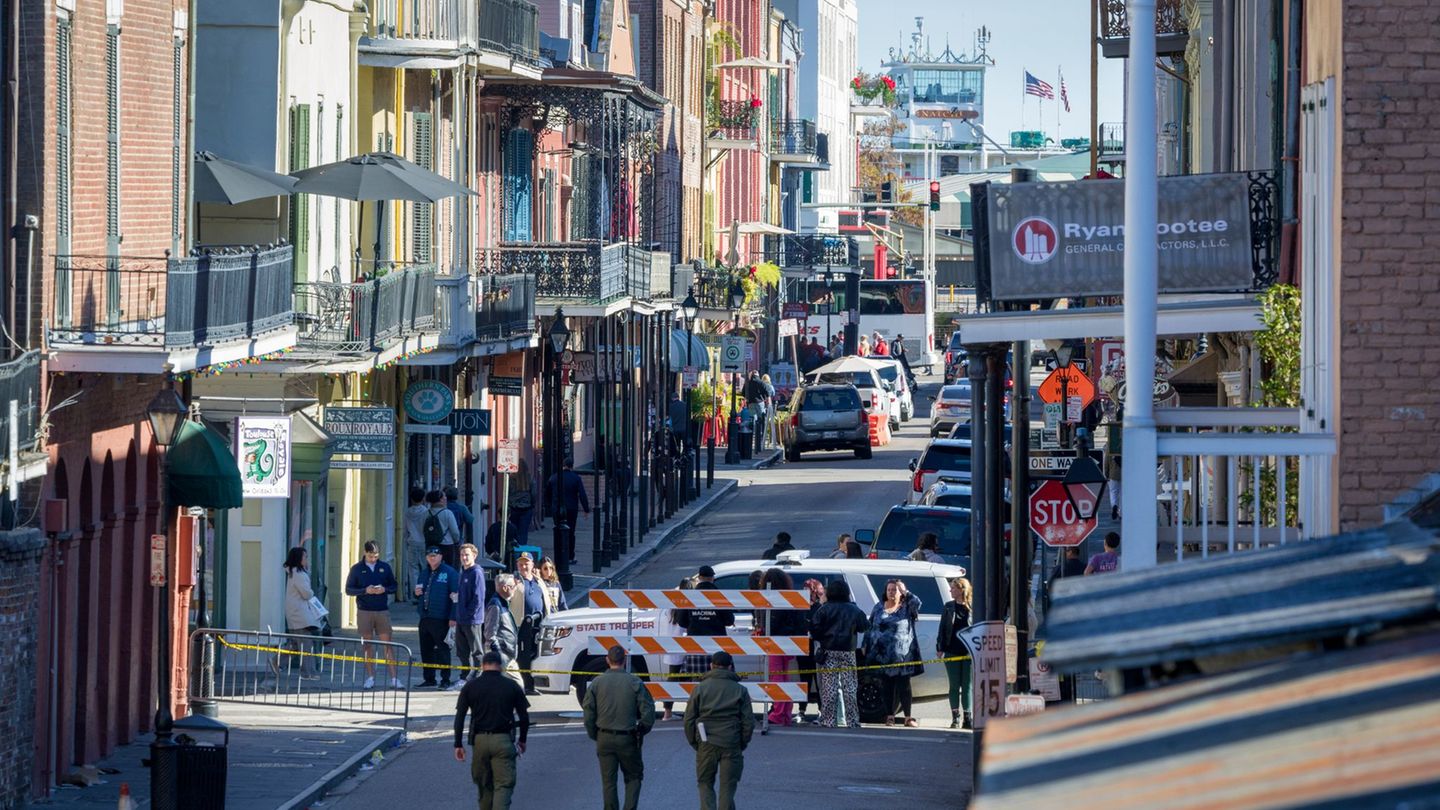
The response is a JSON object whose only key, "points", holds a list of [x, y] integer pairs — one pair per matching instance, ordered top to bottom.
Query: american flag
{"points": [[1035, 87], [1064, 94]]}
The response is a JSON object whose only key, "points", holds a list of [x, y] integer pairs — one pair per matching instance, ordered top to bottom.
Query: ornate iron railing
{"points": [[506, 26], [1171, 33], [736, 120], [797, 137], [1112, 138], [812, 250], [586, 271], [711, 286], [216, 296], [505, 306], [360, 316], [20, 381]]}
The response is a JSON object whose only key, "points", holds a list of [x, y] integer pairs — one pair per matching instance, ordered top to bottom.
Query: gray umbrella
{"points": [[218, 180]]}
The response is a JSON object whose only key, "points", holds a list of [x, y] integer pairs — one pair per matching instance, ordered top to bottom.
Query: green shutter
{"points": [[177, 80], [112, 140], [300, 203], [422, 233]]}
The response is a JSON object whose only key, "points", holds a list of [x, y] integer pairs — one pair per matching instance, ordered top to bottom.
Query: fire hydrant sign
{"points": [[508, 458], [1055, 519], [986, 642]]}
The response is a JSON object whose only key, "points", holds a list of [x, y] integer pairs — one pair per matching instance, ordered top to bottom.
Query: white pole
{"points": [[1137, 547]]}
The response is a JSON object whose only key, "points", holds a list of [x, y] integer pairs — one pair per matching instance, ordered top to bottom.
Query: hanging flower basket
{"points": [[871, 88]]}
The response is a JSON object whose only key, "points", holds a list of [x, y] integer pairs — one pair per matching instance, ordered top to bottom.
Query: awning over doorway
{"points": [[698, 356], [203, 471]]}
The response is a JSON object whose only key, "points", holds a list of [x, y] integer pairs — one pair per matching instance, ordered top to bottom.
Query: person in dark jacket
{"points": [[572, 500], [464, 518], [492, 537], [782, 543], [1070, 565], [371, 582], [435, 591], [469, 614], [954, 618], [703, 622], [781, 623], [833, 627], [499, 633], [893, 640], [498, 713], [718, 725]]}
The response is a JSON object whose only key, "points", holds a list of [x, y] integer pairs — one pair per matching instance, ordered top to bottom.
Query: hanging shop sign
{"points": [[1067, 240], [507, 375], [429, 401], [367, 431], [262, 450]]}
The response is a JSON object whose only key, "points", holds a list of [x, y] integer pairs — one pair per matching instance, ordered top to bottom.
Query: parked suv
{"points": [[827, 417], [943, 459], [902, 526]]}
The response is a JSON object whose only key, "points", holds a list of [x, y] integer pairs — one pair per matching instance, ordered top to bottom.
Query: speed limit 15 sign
{"points": [[986, 642]]}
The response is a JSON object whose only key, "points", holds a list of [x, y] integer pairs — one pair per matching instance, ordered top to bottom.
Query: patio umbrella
{"points": [[377, 176], [218, 180]]}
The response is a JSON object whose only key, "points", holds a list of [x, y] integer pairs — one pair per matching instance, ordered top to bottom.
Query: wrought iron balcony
{"points": [[498, 26], [1171, 33], [731, 120], [1112, 139], [794, 141], [812, 250], [583, 270], [711, 286], [202, 300], [505, 306], [355, 317], [20, 383]]}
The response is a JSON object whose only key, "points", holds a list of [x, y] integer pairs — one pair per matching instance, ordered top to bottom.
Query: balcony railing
{"points": [[505, 26], [1171, 34], [734, 120], [1112, 139], [793, 140], [811, 250], [584, 270], [711, 286], [177, 303], [505, 306], [365, 316], [20, 381]]}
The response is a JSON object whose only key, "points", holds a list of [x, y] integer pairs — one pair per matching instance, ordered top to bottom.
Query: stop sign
{"points": [[1054, 518]]}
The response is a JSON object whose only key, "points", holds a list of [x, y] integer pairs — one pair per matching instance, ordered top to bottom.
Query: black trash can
{"points": [[201, 762]]}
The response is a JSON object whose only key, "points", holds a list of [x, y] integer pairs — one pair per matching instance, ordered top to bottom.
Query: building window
{"points": [[177, 81], [949, 86], [519, 153], [300, 203], [422, 227]]}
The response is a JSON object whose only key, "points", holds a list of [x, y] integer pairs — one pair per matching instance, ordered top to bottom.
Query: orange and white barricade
{"points": [[700, 599], [703, 645], [760, 691]]}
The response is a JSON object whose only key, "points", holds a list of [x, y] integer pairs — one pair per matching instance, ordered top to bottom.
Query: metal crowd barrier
{"points": [[311, 672]]}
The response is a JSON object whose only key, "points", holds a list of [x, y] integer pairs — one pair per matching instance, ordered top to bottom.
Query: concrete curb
{"points": [[324, 784]]}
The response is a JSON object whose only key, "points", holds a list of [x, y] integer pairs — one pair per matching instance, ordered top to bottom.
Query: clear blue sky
{"points": [[1040, 36]]}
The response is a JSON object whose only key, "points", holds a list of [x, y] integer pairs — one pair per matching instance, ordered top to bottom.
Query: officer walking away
{"points": [[435, 592], [497, 707], [618, 715], [718, 725]]}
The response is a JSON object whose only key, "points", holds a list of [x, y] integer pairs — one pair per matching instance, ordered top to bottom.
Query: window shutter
{"points": [[177, 79], [112, 140], [518, 153], [63, 180], [300, 203], [422, 233]]}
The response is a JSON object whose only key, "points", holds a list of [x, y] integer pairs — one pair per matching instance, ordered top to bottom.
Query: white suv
{"points": [[565, 635]]}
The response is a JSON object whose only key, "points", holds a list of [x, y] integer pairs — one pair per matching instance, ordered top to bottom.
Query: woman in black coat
{"points": [[953, 619], [834, 626]]}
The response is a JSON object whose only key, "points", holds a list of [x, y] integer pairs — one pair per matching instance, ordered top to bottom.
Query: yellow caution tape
{"points": [[667, 676]]}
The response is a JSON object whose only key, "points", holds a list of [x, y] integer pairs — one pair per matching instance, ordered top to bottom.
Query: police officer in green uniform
{"points": [[497, 707], [619, 712], [718, 725]]}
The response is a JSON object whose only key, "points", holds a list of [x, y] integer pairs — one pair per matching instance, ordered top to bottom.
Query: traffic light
{"points": [[887, 192], [934, 195]]}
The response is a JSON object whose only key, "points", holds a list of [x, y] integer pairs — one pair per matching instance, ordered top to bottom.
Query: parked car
{"points": [[893, 374], [877, 398], [952, 406], [827, 417], [943, 458], [956, 495], [902, 526], [565, 635]]}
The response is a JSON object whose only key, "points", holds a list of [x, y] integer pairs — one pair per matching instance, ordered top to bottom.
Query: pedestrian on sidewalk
{"points": [[897, 351], [767, 426], [1113, 461], [522, 504], [567, 511], [464, 518], [440, 529], [414, 538], [492, 538], [782, 543], [1107, 560], [1070, 565], [371, 581], [436, 593], [554, 593], [528, 607], [303, 613], [469, 614], [955, 618], [834, 627], [498, 633], [893, 639], [498, 709], [618, 714], [718, 725]]}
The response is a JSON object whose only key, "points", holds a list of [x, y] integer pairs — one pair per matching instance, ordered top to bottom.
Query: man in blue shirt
{"points": [[572, 500], [464, 518], [371, 581], [435, 593], [527, 604], [469, 615]]}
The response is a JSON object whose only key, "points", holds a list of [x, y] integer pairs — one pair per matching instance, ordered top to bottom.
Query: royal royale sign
{"points": [[1065, 240]]}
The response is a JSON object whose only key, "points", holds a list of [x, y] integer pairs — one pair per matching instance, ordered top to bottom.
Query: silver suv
{"points": [[827, 417]]}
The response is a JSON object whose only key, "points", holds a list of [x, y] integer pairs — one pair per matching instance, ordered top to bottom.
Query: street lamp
{"points": [[690, 311], [559, 336], [166, 414], [732, 451]]}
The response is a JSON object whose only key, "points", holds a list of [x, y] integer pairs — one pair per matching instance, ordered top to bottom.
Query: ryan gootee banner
{"points": [[1054, 240]]}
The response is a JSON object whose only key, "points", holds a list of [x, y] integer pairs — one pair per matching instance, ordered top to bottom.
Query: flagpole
{"points": [[1024, 74]]}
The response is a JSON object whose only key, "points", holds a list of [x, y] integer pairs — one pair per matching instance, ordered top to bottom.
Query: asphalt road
{"points": [[815, 500]]}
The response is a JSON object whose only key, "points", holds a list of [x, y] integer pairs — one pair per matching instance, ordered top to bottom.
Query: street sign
{"points": [[795, 309], [788, 327], [732, 354], [507, 374], [691, 376], [1068, 381], [1073, 407], [1053, 412], [470, 422], [363, 431], [507, 460], [1055, 463], [1054, 518], [157, 560], [986, 642], [1044, 680], [1017, 705]]}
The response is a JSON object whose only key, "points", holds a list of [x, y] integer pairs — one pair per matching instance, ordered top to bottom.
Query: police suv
{"points": [[565, 635]]}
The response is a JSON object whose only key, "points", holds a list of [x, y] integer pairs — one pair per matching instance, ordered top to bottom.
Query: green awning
{"points": [[203, 471]]}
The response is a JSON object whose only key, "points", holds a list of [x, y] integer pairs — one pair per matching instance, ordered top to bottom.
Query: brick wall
{"points": [[1389, 290], [19, 617]]}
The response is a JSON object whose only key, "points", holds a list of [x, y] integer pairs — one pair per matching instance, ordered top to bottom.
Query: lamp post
{"points": [[690, 311], [559, 336], [166, 413], [732, 449], [1084, 483], [200, 701]]}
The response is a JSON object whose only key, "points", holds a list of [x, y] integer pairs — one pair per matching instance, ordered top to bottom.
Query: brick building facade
{"points": [[20, 553]]}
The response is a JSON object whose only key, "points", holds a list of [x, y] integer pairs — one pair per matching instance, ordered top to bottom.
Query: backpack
{"points": [[432, 529]]}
